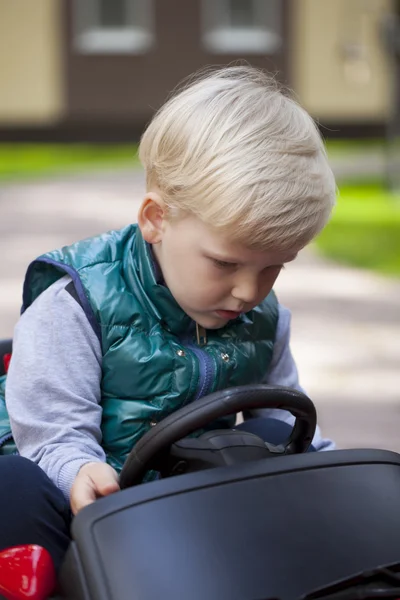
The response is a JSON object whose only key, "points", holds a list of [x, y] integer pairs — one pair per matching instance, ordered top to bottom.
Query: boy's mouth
{"points": [[228, 314]]}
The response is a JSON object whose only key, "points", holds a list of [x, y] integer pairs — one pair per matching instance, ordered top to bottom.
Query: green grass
{"points": [[342, 148], [23, 161], [26, 161], [365, 229]]}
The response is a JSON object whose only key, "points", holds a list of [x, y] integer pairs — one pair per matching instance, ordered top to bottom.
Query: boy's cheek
{"points": [[195, 296]]}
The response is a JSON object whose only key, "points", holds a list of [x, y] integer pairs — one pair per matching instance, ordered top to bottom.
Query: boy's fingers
{"points": [[93, 481], [105, 481], [82, 494]]}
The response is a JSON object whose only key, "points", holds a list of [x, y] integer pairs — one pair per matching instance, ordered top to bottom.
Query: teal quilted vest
{"points": [[152, 363]]}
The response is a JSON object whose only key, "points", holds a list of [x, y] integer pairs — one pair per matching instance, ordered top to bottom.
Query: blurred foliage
{"points": [[343, 148], [23, 161], [26, 161], [365, 229]]}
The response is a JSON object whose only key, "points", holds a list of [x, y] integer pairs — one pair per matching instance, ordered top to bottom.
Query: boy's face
{"points": [[211, 278]]}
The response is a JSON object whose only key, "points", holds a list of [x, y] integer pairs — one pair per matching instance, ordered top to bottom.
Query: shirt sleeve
{"points": [[283, 371], [53, 386]]}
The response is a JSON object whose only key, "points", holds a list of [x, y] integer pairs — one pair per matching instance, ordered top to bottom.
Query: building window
{"points": [[114, 26], [242, 26]]}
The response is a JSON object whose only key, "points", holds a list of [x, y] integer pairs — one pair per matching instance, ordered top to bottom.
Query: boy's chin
{"points": [[210, 321]]}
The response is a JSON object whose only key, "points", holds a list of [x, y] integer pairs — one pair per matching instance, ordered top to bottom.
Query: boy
{"points": [[123, 329]]}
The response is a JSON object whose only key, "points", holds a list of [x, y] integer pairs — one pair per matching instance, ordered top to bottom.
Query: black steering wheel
{"points": [[157, 442]]}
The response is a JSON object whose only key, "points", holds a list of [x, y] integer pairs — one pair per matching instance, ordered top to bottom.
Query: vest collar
{"points": [[162, 303]]}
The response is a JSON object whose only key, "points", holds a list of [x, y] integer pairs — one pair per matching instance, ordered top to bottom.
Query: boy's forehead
{"points": [[227, 249]]}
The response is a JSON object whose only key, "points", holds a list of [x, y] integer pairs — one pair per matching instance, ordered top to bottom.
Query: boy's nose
{"points": [[246, 291]]}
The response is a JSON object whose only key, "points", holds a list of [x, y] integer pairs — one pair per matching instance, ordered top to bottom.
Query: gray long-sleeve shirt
{"points": [[53, 385]]}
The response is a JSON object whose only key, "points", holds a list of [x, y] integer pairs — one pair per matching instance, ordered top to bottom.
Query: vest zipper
{"points": [[206, 363], [206, 372]]}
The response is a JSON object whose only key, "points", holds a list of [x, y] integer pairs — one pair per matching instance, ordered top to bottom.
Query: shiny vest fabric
{"points": [[152, 363]]}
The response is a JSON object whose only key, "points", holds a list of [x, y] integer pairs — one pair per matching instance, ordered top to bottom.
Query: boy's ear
{"points": [[151, 217]]}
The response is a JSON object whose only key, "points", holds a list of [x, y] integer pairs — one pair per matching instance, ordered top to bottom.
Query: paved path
{"points": [[346, 323]]}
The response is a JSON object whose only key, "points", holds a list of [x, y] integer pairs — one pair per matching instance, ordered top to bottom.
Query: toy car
{"points": [[234, 518]]}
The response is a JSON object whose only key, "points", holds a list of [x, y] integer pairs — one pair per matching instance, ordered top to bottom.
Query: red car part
{"points": [[6, 361], [26, 572]]}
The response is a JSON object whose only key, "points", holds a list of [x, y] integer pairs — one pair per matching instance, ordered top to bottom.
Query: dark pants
{"points": [[32, 508], [34, 511]]}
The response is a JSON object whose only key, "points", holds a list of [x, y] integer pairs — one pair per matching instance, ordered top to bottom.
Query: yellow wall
{"points": [[340, 68], [31, 72]]}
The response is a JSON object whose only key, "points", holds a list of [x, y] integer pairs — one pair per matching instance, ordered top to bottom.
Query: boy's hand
{"points": [[94, 480]]}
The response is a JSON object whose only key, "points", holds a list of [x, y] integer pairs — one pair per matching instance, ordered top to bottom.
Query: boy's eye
{"points": [[223, 264]]}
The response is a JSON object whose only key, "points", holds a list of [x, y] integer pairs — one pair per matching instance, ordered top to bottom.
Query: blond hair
{"points": [[234, 150]]}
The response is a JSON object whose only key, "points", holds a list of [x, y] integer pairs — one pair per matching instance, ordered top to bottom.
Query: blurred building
{"points": [[97, 69]]}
